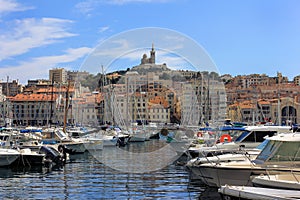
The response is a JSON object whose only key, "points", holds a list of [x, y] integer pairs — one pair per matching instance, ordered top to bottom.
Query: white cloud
{"points": [[121, 2], [7, 6], [87, 6], [102, 29], [32, 33], [114, 48], [39, 67]]}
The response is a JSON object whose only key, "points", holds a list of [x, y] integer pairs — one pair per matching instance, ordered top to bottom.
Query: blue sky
{"points": [[240, 37]]}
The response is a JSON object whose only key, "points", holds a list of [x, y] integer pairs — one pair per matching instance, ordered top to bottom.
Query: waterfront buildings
{"points": [[151, 92], [271, 99]]}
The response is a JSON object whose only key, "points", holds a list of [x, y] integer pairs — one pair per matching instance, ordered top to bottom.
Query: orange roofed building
{"points": [[43, 107], [33, 109], [159, 109]]}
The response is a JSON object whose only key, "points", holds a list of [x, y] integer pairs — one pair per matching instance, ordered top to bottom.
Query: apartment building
{"points": [[58, 75], [11, 88], [259, 98], [33, 109]]}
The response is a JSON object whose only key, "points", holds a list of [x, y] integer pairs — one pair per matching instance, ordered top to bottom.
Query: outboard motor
{"points": [[121, 142], [51, 156]]}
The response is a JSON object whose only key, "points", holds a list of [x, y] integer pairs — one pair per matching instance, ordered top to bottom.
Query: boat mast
{"points": [[51, 106], [66, 107]]}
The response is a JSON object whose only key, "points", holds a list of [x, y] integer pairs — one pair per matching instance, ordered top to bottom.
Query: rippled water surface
{"points": [[87, 178]]}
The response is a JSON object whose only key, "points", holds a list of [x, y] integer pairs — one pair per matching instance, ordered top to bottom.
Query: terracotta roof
{"points": [[34, 97]]}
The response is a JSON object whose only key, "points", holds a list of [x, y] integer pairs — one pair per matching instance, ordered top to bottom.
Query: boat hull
{"points": [[137, 138], [93, 145], [8, 156], [29, 160], [216, 175], [282, 181], [247, 192]]}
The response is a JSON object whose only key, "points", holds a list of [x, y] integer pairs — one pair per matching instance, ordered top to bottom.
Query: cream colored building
{"points": [[58, 75], [285, 110]]}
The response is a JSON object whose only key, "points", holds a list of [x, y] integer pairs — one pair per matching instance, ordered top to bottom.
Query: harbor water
{"points": [[87, 177]]}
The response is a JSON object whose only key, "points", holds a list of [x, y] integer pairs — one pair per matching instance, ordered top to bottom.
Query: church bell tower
{"points": [[152, 55]]}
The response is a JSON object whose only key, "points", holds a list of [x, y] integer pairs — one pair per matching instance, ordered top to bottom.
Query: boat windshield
{"points": [[61, 134], [242, 136], [254, 136], [262, 145], [276, 151], [287, 151]]}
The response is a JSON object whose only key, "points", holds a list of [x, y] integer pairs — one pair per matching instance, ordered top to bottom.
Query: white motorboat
{"points": [[137, 133], [138, 136], [57, 137], [234, 138], [93, 144], [8, 156], [279, 156], [192, 165], [282, 181], [248, 192]]}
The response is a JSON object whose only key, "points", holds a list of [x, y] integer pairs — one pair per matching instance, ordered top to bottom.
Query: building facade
{"points": [[58, 75], [11, 88]]}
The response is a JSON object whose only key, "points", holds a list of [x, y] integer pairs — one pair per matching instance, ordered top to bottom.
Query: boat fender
{"points": [[199, 134], [225, 138]]}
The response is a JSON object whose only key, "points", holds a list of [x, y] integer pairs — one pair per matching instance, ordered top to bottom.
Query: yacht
{"points": [[56, 137], [233, 138], [240, 155], [280, 155]]}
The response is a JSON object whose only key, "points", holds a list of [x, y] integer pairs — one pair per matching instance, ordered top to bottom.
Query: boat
{"points": [[137, 133], [114, 136], [138, 136], [56, 137], [232, 139], [93, 144], [240, 155], [8, 156], [38, 156], [279, 156], [29, 158], [193, 164], [282, 181], [249, 192]]}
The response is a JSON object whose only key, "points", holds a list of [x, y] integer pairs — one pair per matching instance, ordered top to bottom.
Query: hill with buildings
{"points": [[151, 92]]}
